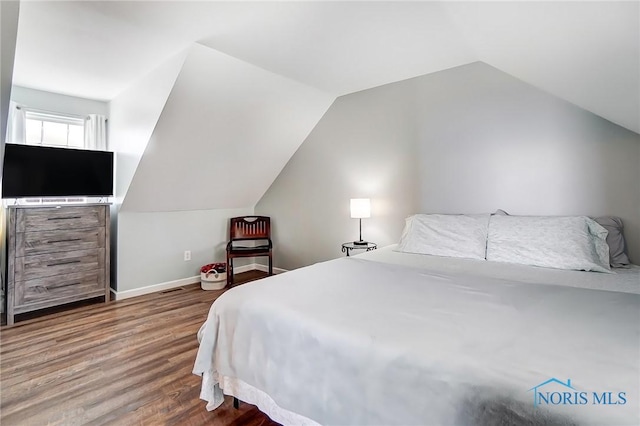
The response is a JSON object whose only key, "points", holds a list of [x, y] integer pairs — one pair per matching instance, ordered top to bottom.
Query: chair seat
{"points": [[249, 250]]}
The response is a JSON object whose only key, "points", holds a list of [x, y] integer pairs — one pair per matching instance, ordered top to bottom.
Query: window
{"points": [[54, 130]]}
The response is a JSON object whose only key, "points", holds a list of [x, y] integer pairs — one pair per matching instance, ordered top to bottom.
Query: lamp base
{"points": [[360, 243]]}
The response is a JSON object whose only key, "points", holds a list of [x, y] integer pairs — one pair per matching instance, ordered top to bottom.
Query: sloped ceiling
{"points": [[585, 52], [260, 75], [134, 114], [226, 131]]}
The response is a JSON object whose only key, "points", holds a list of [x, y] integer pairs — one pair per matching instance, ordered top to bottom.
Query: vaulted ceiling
{"points": [[585, 52], [219, 95]]}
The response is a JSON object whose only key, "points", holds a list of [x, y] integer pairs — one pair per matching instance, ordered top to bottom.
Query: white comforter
{"points": [[352, 341]]}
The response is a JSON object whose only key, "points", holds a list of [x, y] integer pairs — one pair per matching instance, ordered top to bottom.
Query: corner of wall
{"points": [[9, 13]]}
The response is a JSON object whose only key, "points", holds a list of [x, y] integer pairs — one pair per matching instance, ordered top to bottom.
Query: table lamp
{"points": [[360, 208]]}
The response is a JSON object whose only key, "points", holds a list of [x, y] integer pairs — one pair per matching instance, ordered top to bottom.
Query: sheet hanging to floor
{"points": [[355, 341]]}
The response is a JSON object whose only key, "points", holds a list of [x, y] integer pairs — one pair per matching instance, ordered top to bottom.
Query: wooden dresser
{"points": [[56, 255]]}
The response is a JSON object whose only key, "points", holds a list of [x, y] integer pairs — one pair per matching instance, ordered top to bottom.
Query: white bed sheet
{"points": [[626, 279], [390, 338]]}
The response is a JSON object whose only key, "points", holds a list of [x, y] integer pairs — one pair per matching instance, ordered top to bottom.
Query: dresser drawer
{"points": [[68, 218], [29, 243], [56, 255], [45, 265], [52, 291]]}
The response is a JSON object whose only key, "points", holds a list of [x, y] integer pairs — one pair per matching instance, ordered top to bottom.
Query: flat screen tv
{"points": [[38, 171]]}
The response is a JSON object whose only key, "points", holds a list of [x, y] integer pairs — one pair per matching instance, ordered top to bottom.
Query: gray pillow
{"points": [[561, 242], [617, 247]]}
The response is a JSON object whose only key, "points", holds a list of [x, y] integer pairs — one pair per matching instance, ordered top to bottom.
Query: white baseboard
{"points": [[257, 267], [244, 268], [265, 268], [154, 288]]}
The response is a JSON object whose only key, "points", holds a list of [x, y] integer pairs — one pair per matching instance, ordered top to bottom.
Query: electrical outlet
{"points": [[187, 255]]}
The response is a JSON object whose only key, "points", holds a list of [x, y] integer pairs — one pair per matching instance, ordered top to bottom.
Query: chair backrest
{"points": [[250, 228]]}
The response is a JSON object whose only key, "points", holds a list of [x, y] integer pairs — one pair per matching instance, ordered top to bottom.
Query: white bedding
{"points": [[625, 279], [392, 338]]}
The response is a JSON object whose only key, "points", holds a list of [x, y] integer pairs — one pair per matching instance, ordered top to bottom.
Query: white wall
{"points": [[9, 11], [55, 102], [134, 114], [226, 131], [182, 135], [466, 140], [197, 142], [500, 143], [363, 147], [151, 245]]}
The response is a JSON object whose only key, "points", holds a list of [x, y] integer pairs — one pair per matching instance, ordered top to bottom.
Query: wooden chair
{"points": [[248, 228]]}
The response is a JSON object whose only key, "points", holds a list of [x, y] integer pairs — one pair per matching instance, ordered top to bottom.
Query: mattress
{"points": [[391, 338]]}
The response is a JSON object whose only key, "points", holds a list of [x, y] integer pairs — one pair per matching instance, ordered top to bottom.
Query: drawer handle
{"points": [[63, 218], [64, 241], [65, 262], [70, 284]]}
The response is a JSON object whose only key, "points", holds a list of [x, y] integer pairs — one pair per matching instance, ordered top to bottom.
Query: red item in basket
{"points": [[214, 268]]}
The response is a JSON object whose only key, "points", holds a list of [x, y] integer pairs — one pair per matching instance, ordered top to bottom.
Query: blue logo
{"points": [[557, 392]]}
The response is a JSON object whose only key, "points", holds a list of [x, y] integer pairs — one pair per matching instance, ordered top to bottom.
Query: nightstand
{"points": [[347, 247]]}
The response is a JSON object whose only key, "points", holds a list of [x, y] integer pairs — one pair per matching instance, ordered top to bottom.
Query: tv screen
{"points": [[38, 171]]}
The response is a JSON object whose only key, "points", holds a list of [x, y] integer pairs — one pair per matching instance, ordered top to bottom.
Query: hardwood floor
{"points": [[126, 362]]}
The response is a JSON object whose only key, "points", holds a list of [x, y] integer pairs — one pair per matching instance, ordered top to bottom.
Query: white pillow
{"points": [[446, 235], [562, 242]]}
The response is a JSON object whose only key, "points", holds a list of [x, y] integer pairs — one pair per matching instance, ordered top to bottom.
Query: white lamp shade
{"points": [[360, 208]]}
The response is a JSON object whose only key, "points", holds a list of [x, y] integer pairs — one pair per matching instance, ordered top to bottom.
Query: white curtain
{"points": [[16, 125], [95, 132]]}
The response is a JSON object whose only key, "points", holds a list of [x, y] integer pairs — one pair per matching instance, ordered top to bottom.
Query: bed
{"points": [[412, 339]]}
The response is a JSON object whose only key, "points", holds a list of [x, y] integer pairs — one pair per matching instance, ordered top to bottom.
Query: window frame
{"points": [[59, 118]]}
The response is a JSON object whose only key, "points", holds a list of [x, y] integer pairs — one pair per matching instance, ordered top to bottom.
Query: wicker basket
{"points": [[213, 276]]}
